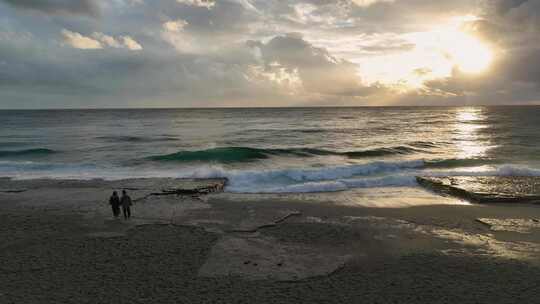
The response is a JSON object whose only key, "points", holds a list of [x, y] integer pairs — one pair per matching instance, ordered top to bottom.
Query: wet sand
{"points": [[60, 245]]}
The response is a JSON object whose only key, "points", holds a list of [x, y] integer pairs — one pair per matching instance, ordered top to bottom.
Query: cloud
{"points": [[199, 3], [366, 3], [503, 6], [58, 7], [175, 26], [511, 27], [174, 34], [103, 39], [79, 41], [99, 41], [130, 43], [242, 52], [291, 57]]}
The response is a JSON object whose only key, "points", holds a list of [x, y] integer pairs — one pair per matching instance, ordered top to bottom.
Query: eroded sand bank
{"points": [[60, 245]]}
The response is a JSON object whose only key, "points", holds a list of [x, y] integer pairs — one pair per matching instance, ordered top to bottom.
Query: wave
{"points": [[311, 131], [136, 139], [12, 144], [424, 144], [399, 150], [27, 152], [231, 154], [236, 154], [245, 154], [459, 162], [22, 167], [500, 170], [374, 175], [237, 178], [327, 179], [333, 179], [298, 180], [332, 186]]}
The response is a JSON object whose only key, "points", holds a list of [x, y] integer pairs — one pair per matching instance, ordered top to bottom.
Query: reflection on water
{"points": [[469, 142], [276, 150]]}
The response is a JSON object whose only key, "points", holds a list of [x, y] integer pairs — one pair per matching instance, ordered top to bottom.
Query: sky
{"points": [[268, 53]]}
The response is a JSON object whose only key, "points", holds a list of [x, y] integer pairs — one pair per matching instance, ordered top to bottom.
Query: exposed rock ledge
{"points": [[486, 189]]}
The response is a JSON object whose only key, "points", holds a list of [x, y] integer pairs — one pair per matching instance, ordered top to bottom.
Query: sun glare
{"points": [[462, 50], [465, 51], [436, 54]]}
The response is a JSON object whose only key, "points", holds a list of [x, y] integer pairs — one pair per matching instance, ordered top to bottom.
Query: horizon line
{"points": [[255, 107]]}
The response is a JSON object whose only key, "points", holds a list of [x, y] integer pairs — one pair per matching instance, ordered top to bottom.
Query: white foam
{"points": [[325, 179], [339, 179], [301, 180], [328, 186]]}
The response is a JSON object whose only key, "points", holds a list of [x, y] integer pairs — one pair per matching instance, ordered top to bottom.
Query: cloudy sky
{"points": [[238, 53]]}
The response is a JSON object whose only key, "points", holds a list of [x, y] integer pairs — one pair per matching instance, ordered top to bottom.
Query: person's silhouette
{"points": [[114, 201], [126, 203]]}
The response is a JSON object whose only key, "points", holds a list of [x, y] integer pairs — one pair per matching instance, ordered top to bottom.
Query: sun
{"points": [[459, 48], [465, 51], [436, 54]]}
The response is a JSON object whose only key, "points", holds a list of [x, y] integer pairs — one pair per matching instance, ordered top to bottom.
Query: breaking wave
{"points": [[136, 139], [27, 153], [245, 154], [458, 162], [375, 174], [327, 179], [334, 179]]}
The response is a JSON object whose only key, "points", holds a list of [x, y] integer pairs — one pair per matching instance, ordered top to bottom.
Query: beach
{"points": [[255, 151], [306, 205], [62, 245]]}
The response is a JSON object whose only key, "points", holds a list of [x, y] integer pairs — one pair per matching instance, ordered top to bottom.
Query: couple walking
{"points": [[124, 201]]}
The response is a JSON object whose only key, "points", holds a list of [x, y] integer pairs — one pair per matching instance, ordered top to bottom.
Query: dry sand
{"points": [[60, 245]]}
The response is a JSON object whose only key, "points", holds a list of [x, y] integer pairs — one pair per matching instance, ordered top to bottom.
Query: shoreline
{"points": [[217, 248]]}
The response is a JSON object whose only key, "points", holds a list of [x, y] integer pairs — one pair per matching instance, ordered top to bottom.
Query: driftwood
{"points": [[218, 187], [214, 188], [194, 193]]}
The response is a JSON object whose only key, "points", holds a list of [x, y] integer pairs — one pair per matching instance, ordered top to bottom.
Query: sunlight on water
{"points": [[469, 142], [272, 150]]}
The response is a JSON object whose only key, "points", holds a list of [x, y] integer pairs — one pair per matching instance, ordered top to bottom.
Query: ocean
{"points": [[285, 150]]}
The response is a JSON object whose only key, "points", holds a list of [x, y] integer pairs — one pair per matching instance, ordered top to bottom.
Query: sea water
{"points": [[286, 150]]}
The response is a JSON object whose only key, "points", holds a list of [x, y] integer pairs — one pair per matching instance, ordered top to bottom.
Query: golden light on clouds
{"points": [[462, 50], [468, 53], [436, 54]]}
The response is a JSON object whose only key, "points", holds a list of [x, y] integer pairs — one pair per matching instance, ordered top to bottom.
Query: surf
{"points": [[27, 153], [247, 154]]}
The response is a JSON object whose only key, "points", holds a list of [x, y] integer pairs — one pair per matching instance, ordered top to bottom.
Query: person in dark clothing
{"points": [[114, 201], [126, 203]]}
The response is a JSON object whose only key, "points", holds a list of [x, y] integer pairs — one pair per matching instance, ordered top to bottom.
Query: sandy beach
{"points": [[299, 151], [61, 245]]}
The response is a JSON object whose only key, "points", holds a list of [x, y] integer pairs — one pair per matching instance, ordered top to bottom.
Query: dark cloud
{"points": [[503, 6], [78, 7], [411, 15], [511, 27], [318, 70], [514, 78]]}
